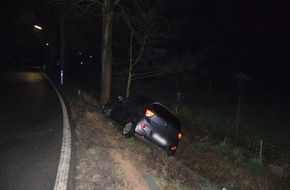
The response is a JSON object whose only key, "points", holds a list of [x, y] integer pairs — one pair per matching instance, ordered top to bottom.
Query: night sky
{"points": [[237, 36], [250, 36], [17, 39]]}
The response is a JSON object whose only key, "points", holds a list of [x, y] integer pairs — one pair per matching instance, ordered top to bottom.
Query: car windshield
{"points": [[166, 114]]}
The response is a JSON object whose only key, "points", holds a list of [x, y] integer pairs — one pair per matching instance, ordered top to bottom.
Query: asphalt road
{"points": [[31, 124]]}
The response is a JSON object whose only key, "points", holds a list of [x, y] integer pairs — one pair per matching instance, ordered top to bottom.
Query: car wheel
{"points": [[107, 110], [129, 129], [170, 153]]}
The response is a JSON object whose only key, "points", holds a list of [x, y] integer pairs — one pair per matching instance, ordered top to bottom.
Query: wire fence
{"points": [[255, 143]]}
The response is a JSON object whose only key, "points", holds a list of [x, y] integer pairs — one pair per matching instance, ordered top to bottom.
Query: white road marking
{"points": [[64, 162]]}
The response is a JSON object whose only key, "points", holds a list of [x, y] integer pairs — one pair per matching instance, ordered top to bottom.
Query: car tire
{"points": [[107, 110], [129, 129], [170, 153]]}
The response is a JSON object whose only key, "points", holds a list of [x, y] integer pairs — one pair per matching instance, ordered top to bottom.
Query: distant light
{"points": [[38, 27], [47, 44], [80, 53], [91, 56], [82, 63]]}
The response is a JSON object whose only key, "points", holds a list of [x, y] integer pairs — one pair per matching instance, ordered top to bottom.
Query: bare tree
{"points": [[88, 7], [61, 9], [107, 9], [141, 19], [150, 32], [106, 51]]}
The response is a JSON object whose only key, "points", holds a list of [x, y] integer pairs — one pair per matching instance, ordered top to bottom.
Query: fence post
{"points": [[261, 150]]}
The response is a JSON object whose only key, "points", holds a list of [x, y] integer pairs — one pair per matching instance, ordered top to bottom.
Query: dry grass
{"points": [[107, 160], [226, 167]]}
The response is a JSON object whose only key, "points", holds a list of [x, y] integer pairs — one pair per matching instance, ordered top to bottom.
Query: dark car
{"points": [[146, 119]]}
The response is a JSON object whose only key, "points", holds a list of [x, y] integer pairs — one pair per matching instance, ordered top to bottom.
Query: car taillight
{"points": [[149, 113], [143, 126], [179, 136], [173, 148]]}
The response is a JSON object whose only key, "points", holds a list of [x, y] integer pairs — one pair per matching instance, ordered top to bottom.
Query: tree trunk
{"points": [[108, 6], [63, 46], [130, 68], [129, 83]]}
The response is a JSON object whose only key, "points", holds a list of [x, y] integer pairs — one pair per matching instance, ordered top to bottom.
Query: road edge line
{"points": [[61, 180]]}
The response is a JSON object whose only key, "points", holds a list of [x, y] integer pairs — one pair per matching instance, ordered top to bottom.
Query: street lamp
{"points": [[38, 27]]}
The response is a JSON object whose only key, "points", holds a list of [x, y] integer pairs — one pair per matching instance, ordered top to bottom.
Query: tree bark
{"points": [[108, 6]]}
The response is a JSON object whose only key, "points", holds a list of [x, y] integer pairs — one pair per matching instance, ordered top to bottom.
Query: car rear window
{"points": [[166, 114]]}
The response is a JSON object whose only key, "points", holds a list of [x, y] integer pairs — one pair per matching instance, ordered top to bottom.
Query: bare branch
{"points": [[86, 7], [141, 51]]}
